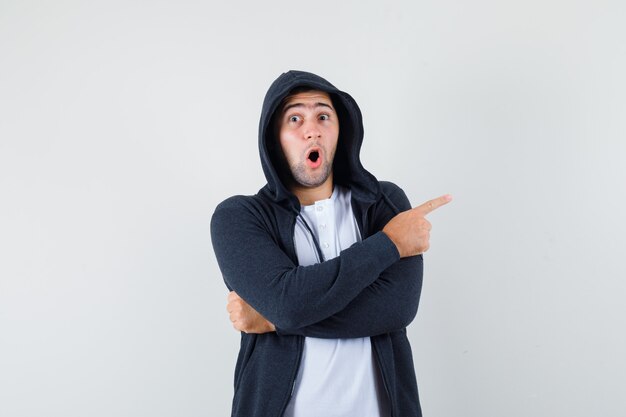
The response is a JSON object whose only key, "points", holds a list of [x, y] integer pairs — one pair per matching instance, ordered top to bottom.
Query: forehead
{"points": [[310, 98]]}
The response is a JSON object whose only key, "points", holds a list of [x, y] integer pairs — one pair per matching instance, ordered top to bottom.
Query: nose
{"points": [[311, 130]]}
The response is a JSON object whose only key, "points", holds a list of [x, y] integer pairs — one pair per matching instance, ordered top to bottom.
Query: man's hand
{"points": [[410, 231], [245, 318]]}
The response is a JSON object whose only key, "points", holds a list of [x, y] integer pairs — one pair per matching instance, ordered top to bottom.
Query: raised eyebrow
{"points": [[320, 104]]}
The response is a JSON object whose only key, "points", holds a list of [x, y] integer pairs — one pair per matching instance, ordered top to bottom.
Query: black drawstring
{"points": [[317, 245]]}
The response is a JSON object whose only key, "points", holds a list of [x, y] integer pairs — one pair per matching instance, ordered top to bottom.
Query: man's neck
{"points": [[309, 195]]}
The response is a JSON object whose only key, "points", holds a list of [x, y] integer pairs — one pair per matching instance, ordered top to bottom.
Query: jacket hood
{"points": [[347, 168]]}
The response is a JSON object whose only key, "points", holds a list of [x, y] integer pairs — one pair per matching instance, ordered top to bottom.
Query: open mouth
{"points": [[314, 156]]}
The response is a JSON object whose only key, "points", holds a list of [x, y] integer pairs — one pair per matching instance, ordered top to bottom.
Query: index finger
{"points": [[433, 204], [232, 296]]}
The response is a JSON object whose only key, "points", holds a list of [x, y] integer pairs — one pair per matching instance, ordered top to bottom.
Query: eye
{"points": [[324, 117], [294, 118]]}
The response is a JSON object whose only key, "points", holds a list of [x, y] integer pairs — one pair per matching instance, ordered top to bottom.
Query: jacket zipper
{"points": [[300, 342], [379, 360], [294, 375], [383, 376]]}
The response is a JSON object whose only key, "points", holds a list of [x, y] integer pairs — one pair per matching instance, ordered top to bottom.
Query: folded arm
{"points": [[363, 292], [288, 295], [388, 304]]}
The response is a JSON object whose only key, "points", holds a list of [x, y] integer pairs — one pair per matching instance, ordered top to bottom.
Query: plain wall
{"points": [[123, 125]]}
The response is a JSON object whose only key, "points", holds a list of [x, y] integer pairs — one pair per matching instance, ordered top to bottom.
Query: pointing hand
{"points": [[410, 231]]}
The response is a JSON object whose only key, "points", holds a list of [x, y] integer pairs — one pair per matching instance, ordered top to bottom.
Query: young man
{"points": [[324, 266]]}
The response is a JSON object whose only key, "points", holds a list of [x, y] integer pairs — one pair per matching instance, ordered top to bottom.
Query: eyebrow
{"points": [[319, 104]]}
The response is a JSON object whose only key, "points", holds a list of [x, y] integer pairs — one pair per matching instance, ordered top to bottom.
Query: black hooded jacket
{"points": [[366, 291]]}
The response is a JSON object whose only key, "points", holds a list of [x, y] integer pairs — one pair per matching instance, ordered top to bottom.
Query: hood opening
{"points": [[347, 168]]}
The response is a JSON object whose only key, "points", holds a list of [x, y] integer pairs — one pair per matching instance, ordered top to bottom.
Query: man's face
{"points": [[308, 131]]}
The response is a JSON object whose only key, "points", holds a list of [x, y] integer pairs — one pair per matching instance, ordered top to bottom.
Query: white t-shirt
{"points": [[337, 377]]}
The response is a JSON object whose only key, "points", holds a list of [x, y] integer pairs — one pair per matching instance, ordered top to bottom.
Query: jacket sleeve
{"points": [[291, 296], [388, 304]]}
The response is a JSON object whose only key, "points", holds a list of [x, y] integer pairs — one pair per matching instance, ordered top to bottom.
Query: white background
{"points": [[123, 124]]}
